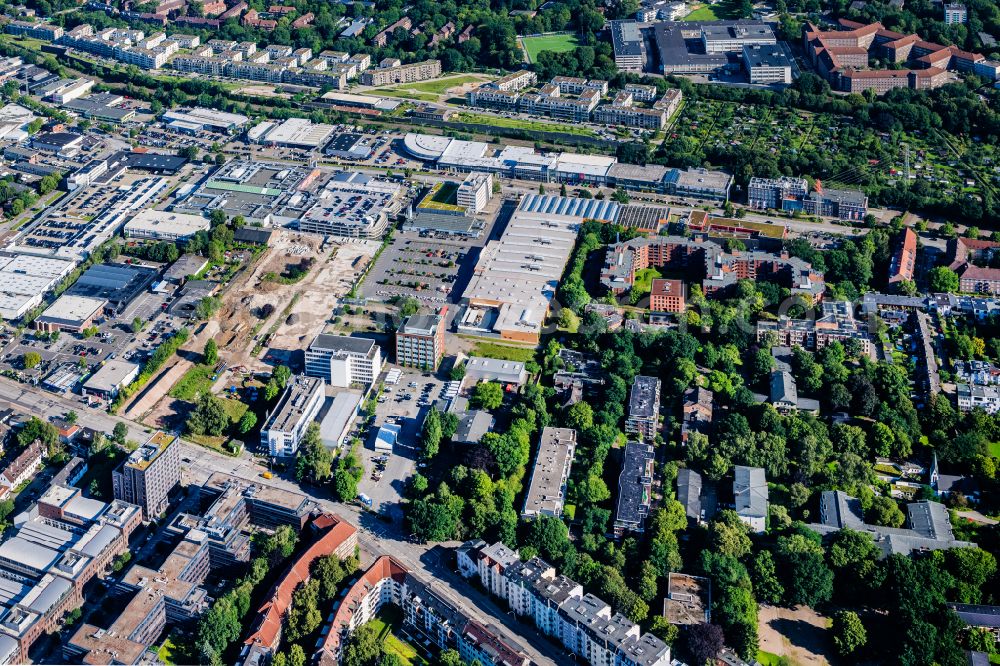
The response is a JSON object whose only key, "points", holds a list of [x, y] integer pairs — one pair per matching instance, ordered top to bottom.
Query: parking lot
{"points": [[427, 266], [68, 358], [386, 490]]}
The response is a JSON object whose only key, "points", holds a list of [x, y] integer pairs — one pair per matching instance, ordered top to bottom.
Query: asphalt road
{"points": [[431, 563]]}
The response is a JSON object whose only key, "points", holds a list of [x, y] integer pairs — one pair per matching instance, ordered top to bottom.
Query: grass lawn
{"points": [[724, 9], [705, 13], [558, 43], [440, 86], [405, 94], [522, 123], [644, 280], [504, 352], [196, 381], [234, 409], [210, 442], [994, 449], [384, 624], [166, 651], [768, 659]]}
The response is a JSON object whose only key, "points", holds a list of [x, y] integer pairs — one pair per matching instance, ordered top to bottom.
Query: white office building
{"points": [[475, 191], [341, 360], [286, 424]]}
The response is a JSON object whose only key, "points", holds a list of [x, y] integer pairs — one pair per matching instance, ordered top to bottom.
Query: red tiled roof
{"points": [[850, 25], [902, 41], [905, 259], [973, 272], [384, 567], [270, 615]]}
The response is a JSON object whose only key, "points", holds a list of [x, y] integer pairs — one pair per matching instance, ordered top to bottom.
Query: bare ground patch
{"points": [[800, 634]]}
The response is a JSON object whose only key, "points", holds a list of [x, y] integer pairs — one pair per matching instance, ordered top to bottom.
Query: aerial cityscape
{"points": [[548, 332]]}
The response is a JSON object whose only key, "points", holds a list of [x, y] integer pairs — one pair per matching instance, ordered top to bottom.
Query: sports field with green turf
{"points": [[560, 42]]}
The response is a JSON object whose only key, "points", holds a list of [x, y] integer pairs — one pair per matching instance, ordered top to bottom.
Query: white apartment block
{"points": [[516, 81], [341, 360], [971, 396], [583, 623]]}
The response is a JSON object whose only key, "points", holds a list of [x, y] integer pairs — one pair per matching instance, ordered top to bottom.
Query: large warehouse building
{"points": [[162, 225], [517, 274]]}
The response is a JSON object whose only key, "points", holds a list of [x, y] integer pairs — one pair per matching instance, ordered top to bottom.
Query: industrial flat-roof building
{"points": [[629, 46], [206, 119], [296, 133], [353, 205], [162, 225], [517, 275], [118, 284], [71, 314], [342, 360], [482, 369], [110, 378], [286, 424], [335, 426], [148, 475], [547, 488]]}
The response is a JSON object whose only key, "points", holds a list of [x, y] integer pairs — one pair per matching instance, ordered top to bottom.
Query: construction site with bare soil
{"points": [[278, 303]]}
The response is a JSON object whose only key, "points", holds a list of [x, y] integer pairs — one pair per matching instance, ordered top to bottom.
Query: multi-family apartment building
{"points": [[955, 13], [44, 31], [382, 38], [842, 57], [393, 72], [518, 80], [550, 101], [622, 111], [773, 193], [792, 194], [842, 204], [966, 254], [904, 258], [721, 270], [666, 296], [835, 323], [420, 341], [341, 360], [974, 396], [644, 407], [696, 412], [286, 424], [148, 475], [547, 488], [635, 489], [149, 600], [425, 613], [581, 623]]}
